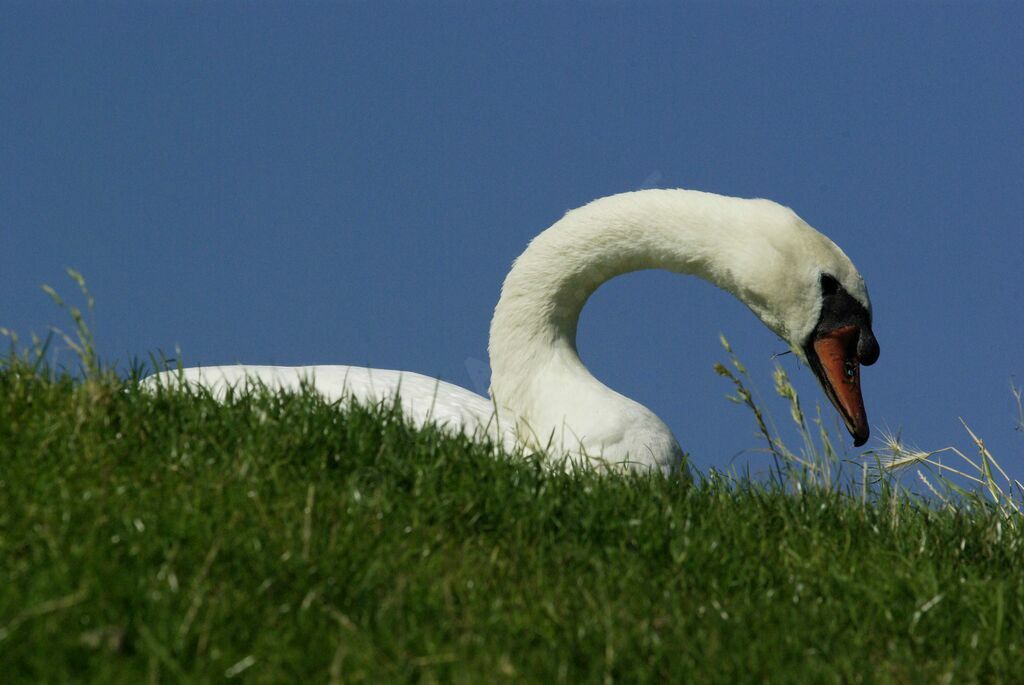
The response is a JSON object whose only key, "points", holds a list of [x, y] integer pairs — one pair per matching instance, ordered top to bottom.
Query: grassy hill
{"points": [[166, 537], [169, 538]]}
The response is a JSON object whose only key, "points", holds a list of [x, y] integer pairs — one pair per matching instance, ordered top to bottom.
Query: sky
{"points": [[348, 183]]}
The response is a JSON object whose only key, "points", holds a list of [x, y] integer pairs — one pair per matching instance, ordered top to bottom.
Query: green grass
{"points": [[169, 538], [279, 539]]}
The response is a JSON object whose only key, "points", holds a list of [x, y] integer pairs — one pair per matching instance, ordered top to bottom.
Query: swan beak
{"points": [[837, 366]]}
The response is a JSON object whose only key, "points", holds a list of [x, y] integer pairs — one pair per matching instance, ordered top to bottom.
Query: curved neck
{"points": [[534, 324]]}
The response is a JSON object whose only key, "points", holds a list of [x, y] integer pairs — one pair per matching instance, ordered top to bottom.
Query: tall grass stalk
{"points": [[82, 342], [817, 463]]}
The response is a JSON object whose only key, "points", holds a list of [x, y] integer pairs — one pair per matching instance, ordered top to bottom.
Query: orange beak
{"points": [[837, 367]]}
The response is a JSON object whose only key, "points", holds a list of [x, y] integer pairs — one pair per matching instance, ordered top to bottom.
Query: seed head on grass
{"points": [[85, 345], [745, 396], [895, 455], [816, 463], [1006, 494]]}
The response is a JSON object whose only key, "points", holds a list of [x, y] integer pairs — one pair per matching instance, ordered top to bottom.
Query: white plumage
{"points": [[758, 250]]}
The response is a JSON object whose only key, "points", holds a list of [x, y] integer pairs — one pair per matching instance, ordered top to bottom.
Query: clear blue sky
{"points": [[301, 183]]}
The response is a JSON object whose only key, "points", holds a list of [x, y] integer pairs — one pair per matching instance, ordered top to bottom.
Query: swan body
{"points": [[796, 280], [423, 399]]}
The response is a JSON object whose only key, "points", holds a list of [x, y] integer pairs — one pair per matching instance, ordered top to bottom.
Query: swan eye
{"points": [[829, 285], [848, 370]]}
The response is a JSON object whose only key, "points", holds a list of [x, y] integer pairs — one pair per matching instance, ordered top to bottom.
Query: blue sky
{"points": [[301, 183]]}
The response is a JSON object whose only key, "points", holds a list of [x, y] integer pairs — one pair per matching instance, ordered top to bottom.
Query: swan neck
{"points": [[535, 321]]}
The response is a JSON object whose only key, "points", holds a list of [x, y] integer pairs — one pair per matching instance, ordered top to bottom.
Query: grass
{"points": [[148, 537]]}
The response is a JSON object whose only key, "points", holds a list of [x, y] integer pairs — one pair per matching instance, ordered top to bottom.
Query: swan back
{"points": [[423, 399]]}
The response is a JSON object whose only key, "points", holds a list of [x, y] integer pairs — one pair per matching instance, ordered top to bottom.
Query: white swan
{"points": [[797, 281]]}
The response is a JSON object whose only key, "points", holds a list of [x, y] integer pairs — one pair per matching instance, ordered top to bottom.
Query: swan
{"points": [[542, 397]]}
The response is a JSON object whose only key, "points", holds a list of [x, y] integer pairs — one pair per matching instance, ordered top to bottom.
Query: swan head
{"points": [[804, 288], [840, 342]]}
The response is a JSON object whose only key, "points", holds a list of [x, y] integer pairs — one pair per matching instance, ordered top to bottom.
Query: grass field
{"points": [[168, 538], [277, 539]]}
